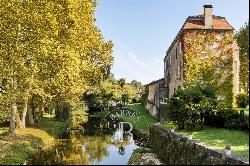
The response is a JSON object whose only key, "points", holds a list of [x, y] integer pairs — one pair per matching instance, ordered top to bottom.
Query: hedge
{"points": [[228, 118]]}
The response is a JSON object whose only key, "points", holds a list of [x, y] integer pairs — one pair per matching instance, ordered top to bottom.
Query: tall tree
{"points": [[243, 42], [51, 53], [122, 82]]}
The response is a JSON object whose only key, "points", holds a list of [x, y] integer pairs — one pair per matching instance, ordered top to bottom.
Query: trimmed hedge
{"points": [[228, 118]]}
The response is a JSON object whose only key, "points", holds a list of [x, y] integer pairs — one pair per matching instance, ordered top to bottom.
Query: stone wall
{"points": [[156, 95], [152, 110], [163, 112], [176, 149]]}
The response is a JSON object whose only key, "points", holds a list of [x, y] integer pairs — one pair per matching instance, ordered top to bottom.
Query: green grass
{"points": [[102, 114], [142, 120], [170, 125], [52, 126], [4, 130], [218, 138], [16, 149]]}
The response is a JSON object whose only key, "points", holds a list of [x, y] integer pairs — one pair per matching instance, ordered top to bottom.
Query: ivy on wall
{"points": [[208, 59], [144, 97]]}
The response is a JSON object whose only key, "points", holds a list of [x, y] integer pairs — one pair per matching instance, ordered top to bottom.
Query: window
{"points": [[179, 47], [176, 53], [170, 60], [166, 65], [178, 70]]}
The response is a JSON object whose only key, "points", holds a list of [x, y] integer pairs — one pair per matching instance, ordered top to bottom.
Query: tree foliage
{"points": [[243, 42], [51, 53], [208, 59], [113, 91], [190, 104]]}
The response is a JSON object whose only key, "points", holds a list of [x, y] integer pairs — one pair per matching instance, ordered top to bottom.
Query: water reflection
{"points": [[97, 146]]}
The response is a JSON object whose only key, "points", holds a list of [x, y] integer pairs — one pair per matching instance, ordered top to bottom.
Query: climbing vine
{"points": [[208, 59]]}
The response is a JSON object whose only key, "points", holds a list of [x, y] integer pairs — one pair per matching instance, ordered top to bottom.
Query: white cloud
{"points": [[130, 66]]}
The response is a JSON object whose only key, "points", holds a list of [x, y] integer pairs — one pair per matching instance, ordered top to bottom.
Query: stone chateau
{"points": [[175, 65]]}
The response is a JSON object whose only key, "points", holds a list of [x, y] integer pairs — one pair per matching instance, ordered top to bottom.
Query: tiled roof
{"points": [[197, 22], [153, 82]]}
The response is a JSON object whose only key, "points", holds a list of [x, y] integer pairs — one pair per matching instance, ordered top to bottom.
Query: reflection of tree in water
{"points": [[121, 144], [85, 150], [121, 150]]}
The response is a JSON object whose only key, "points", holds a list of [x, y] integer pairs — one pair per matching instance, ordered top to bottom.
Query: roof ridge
{"points": [[202, 15]]}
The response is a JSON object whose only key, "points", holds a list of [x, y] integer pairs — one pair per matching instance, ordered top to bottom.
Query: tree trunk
{"points": [[14, 106], [25, 109], [31, 117], [13, 118], [18, 121], [202, 121]]}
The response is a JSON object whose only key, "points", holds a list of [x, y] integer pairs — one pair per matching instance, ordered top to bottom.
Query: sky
{"points": [[142, 30]]}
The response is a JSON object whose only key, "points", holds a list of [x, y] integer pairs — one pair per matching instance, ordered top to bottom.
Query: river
{"points": [[101, 143]]}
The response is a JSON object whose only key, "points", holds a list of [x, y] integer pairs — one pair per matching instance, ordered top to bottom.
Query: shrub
{"points": [[144, 97], [242, 100], [190, 104], [78, 116], [227, 118]]}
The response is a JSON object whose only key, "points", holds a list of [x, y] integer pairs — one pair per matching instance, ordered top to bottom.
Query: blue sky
{"points": [[142, 30]]}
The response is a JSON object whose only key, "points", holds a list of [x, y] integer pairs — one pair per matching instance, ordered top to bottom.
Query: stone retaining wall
{"points": [[176, 149]]}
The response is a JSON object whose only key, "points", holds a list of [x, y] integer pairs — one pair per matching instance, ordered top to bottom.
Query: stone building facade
{"points": [[173, 62], [174, 65], [157, 94]]}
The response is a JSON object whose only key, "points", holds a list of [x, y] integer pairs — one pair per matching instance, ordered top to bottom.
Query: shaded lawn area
{"points": [[142, 120], [52, 126], [4, 130], [218, 138], [16, 149]]}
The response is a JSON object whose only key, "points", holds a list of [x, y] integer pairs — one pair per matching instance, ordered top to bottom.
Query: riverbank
{"points": [[141, 121], [219, 138], [28, 141], [177, 149], [143, 156]]}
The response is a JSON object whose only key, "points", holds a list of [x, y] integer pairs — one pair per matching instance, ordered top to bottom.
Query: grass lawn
{"points": [[142, 120], [52, 126], [4, 130], [218, 138], [16, 149]]}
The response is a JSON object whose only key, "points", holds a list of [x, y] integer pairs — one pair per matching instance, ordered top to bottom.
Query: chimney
{"points": [[208, 20]]}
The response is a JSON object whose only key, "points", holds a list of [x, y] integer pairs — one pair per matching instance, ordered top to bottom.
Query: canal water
{"points": [[101, 142]]}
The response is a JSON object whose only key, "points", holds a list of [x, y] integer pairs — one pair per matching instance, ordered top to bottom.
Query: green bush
{"points": [[144, 97], [242, 100], [189, 105], [78, 116], [227, 118]]}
